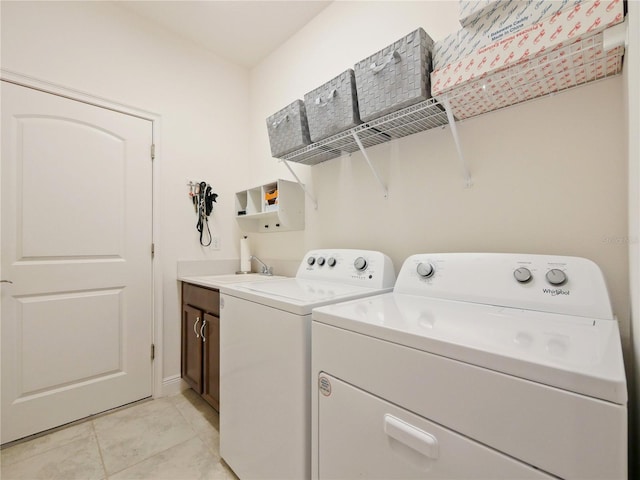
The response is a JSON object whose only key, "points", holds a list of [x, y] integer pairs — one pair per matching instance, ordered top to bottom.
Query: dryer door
{"points": [[363, 436]]}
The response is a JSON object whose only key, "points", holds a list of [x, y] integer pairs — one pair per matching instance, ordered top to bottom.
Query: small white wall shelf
{"points": [[273, 207]]}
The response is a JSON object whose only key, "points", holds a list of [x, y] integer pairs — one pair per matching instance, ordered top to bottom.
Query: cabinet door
{"points": [[192, 347], [211, 386]]}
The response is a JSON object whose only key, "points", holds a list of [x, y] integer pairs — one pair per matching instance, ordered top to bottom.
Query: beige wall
{"points": [[106, 51], [632, 80], [549, 176]]}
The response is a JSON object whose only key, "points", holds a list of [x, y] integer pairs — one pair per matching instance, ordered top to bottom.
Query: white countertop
{"points": [[218, 281]]}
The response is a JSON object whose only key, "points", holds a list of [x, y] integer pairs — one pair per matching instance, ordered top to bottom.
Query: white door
{"points": [[76, 243]]}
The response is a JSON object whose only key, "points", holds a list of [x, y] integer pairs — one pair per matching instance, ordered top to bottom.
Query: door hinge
{"points": [[153, 151], [153, 250], [153, 351]]}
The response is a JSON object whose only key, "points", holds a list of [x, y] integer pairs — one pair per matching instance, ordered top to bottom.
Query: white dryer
{"points": [[265, 358], [483, 366]]}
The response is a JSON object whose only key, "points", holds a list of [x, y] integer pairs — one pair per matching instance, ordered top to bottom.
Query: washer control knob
{"points": [[311, 260], [321, 261], [331, 262], [360, 264], [425, 270], [522, 274], [556, 276]]}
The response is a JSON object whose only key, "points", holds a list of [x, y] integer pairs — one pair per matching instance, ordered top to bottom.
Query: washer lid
{"points": [[298, 296], [577, 354]]}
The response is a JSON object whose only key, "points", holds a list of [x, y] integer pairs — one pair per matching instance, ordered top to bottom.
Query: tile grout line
{"points": [[188, 421], [52, 431], [195, 435], [210, 449], [39, 450], [154, 455], [104, 467]]}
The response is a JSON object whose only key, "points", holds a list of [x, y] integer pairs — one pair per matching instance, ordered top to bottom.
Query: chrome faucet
{"points": [[266, 269]]}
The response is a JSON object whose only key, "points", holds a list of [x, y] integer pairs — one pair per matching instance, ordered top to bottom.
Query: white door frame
{"points": [[156, 121]]}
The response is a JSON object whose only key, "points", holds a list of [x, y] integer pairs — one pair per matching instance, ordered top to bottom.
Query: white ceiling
{"points": [[242, 31]]}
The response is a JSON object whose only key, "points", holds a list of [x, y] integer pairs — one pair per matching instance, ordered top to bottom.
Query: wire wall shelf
{"points": [[566, 66], [416, 118]]}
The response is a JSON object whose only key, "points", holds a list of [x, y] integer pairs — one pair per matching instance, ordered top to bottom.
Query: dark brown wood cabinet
{"points": [[200, 364]]}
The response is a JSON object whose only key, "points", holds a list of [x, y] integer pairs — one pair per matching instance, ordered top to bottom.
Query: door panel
{"points": [[83, 183], [76, 237], [48, 353]]}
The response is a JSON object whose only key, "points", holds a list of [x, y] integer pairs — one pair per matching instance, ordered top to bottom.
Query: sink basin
{"points": [[236, 278], [215, 281]]}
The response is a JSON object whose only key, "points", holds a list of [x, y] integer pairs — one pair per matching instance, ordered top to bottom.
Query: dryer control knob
{"points": [[311, 260], [321, 261], [331, 262], [360, 264], [425, 270], [522, 274], [556, 276]]}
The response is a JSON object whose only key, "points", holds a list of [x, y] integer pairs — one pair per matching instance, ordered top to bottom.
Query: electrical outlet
{"points": [[215, 242]]}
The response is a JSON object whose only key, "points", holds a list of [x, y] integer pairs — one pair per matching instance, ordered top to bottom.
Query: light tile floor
{"points": [[171, 438]]}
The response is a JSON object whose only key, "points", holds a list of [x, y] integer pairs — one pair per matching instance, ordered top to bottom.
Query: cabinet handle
{"points": [[204, 324], [195, 328]]}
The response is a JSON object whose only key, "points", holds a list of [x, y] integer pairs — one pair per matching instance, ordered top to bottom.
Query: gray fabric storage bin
{"points": [[395, 77], [333, 107], [288, 129]]}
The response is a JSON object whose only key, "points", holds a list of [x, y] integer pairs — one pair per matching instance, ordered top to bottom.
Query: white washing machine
{"points": [[265, 358], [476, 366]]}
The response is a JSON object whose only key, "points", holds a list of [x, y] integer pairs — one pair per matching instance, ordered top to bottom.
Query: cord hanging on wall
{"points": [[203, 198]]}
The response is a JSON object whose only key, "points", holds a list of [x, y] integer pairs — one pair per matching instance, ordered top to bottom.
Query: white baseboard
{"points": [[172, 386]]}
